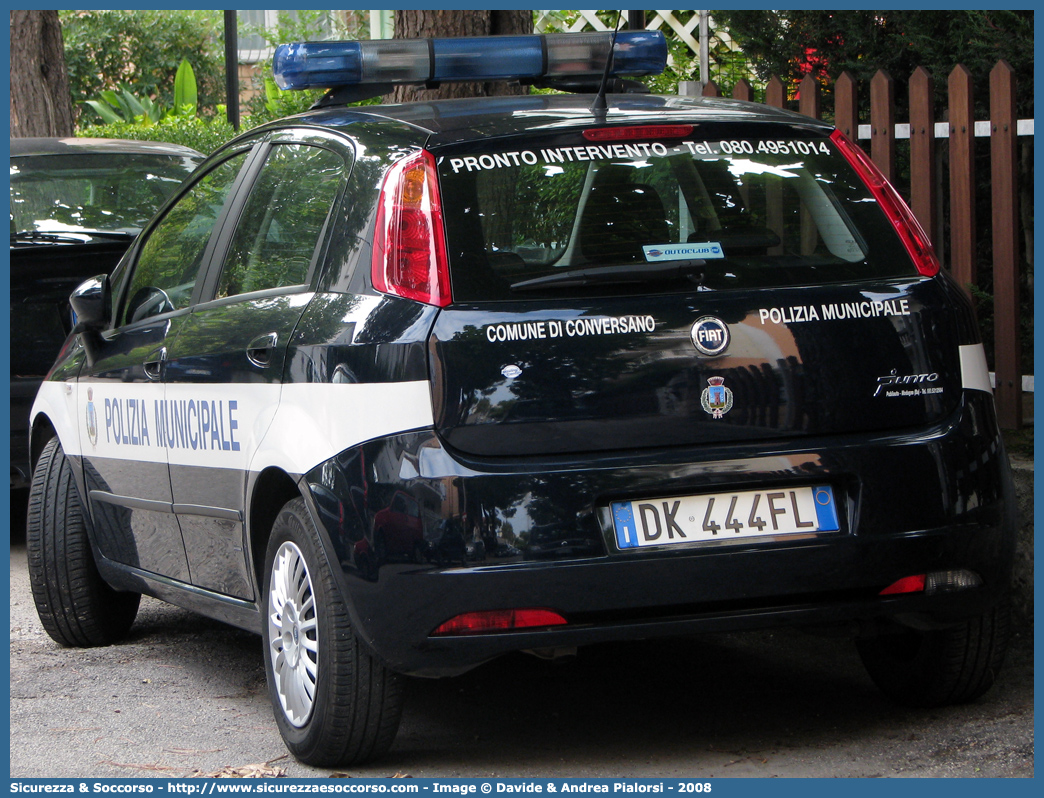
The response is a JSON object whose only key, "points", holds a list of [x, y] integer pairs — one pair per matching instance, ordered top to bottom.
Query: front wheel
{"points": [[75, 605], [942, 666], [335, 705]]}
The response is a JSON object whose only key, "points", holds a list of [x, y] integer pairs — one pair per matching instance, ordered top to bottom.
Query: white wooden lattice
{"points": [[587, 20], [687, 32]]}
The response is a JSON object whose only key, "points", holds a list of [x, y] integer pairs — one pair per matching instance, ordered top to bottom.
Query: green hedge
{"points": [[141, 49], [205, 135]]}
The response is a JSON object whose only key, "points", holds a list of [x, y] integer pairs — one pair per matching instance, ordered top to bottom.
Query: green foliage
{"points": [[298, 26], [303, 26], [785, 43], [141, 50], [683, 64], [727, 66], [185, 94], [273, 97], [276, 103], [125, 107], [111, 108], [202, 134]]}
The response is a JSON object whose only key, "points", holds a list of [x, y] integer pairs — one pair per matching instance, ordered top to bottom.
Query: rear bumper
{"points": [[535, 534]]}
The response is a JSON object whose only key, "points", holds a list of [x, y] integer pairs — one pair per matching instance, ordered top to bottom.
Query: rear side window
{"points": [[762, 206], [277, 236]]}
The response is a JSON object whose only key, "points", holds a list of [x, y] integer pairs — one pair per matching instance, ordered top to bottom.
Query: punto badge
{"points": [[716, 399]]}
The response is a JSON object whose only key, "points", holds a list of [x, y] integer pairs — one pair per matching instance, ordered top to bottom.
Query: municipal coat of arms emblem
{"points": [[716, 399], [92, 418]]}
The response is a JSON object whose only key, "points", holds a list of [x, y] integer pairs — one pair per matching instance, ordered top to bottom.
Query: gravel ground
{"points": [[185, 696]]}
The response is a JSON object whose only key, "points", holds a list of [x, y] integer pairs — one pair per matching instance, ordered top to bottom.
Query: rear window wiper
{"points": [[117, 234], [69, 235], [37, 236], [627, 273]]}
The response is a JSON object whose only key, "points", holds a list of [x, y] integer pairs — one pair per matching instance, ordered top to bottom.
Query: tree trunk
{"points": [[421, 24], [40, 101]]}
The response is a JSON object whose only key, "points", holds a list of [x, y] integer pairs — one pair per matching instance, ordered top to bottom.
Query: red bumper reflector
{"points": [[908, 584], [471, 623]]}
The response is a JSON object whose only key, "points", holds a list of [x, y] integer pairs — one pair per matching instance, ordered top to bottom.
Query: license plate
{"points": [[723, 517]]}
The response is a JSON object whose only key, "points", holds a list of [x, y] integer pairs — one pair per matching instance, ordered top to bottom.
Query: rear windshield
{"points": [[727, 207]]}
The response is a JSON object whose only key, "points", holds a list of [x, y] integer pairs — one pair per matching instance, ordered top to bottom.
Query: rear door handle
{"points": [[259, 351], [153, 366]]}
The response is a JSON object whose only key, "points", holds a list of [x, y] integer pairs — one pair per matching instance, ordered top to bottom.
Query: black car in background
{"points": [[76, 204], [403, 388]]}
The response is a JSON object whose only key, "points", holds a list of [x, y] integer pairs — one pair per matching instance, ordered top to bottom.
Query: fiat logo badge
{"points": [[710, 336]]}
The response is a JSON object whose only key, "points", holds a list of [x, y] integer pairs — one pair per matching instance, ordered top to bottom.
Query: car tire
{"points": [[75, 605], [942, 666], [334, 704]]}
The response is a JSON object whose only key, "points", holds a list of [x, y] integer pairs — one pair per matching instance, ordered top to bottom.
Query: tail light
{"points": [[898, 212], [409, 248]]}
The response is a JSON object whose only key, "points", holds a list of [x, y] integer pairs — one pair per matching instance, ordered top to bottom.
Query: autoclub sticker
{"points": [[671, 252], [716, 399]]}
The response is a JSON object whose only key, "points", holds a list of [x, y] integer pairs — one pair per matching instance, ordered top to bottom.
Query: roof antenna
{"points": [[600, 106]]}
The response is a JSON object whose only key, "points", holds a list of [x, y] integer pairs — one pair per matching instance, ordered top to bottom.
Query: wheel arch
{"points": [[42, 431], [272, 489], [267, 495]]}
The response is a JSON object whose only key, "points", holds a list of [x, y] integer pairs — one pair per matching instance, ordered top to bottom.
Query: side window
{"points": [[281, 226], [170, 260]]}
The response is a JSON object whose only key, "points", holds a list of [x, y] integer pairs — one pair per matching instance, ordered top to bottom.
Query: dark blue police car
{"points": [[406, 387]]}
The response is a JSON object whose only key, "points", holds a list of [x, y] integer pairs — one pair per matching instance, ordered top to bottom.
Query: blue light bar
{"points": [[324, 65]]}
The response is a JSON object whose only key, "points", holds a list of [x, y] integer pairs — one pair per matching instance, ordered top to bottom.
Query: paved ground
{"points": [[185, 696]]}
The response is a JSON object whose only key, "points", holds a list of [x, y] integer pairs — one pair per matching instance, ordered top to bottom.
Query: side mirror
{"points": [[91, 304]]}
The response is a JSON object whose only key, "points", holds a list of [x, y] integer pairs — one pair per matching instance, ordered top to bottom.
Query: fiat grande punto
{"points": [[403, 388]]}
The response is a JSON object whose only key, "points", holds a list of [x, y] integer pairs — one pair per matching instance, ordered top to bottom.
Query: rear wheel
{"points": [[75, 605], [942, 666], [334, 703]]}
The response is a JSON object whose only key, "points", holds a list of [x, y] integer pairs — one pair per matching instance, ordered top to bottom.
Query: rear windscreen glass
{"points": [[750, 207]]}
